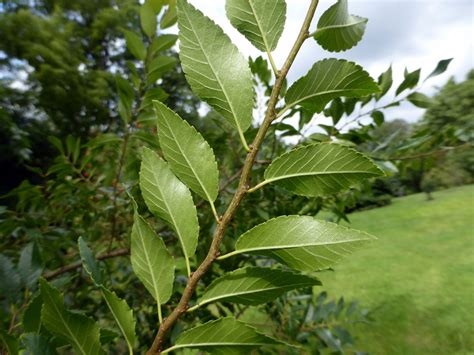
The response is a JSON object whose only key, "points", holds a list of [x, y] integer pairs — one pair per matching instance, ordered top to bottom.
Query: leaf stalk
{"points": [[229, 214]]}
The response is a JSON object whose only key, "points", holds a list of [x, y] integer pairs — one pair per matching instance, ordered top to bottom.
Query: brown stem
{"points": [[241, 190], [67, 268]]}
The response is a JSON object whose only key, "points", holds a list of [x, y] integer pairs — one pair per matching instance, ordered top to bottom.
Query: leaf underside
{"points": [[260, 21], [338, 30], [214, 68], [327, 80], [188, 154], [320, 169], [169, 199], [301, 242], [151, 261], [255, 285], [123, 315], [223, 336]]}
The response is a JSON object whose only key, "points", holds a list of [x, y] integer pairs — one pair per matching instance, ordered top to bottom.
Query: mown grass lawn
{"points": [[418, 278]]}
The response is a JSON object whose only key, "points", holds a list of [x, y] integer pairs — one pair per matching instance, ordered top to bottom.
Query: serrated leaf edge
{"points": [[291, 104], [236, 121], [185, 157], [268, 181], [369, 237], [293, 273], [180, 346]]}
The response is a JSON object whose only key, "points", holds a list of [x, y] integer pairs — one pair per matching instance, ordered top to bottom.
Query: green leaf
{"points": [[156, 5], [170, 16], [148, 18], [260, 21], [338, 30], [161, 43], [135, 45], [161, 64], [158, 67], [259, 67], [214, 68], [440, 68], [328, 79], [410, 81], [385, 82], [155, 94], [420, 100], [378, 117], [188, 154], [319, 169], [168, 198], [301, 242], [151, 261], [89, 262], [30, 265], [9, 278], [254, 285], [119, 308], [123, 316], [31, 320], [80, 331], [225, 336], [10, 342], [37, 344]]}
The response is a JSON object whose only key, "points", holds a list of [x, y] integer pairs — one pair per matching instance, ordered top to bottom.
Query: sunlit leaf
{"points": [[170, 16], [148, 18], [260, 21], [338, 30], [161, 43], [135, 45], [214, 68], [328, 79], [188, 154], [320, 169], [169, 199], [301, 242], [151, 261], [255, 285], [123, 316], [222, 336]]}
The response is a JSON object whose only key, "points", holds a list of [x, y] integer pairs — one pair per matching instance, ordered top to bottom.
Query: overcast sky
{"points": [[412, 33]]}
